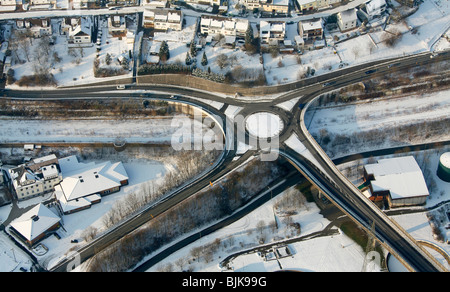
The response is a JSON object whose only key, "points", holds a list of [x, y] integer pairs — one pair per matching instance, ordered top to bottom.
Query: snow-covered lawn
{"points": [[380, 113], [336, 252]]}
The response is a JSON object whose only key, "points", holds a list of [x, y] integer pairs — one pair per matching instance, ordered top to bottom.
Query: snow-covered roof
{"points": [[280, 2], [374, 6], [348, 15], [312, 25], [44, 158], [401, 176], [80, 179], [35, 222]]}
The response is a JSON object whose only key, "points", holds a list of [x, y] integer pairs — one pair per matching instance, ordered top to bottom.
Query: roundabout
{"points": [[264, 125]]}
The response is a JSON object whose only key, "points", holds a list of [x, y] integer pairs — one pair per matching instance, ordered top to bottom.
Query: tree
{"points": [[249, 35], [192, 49], [164, 54], [108, 59], [188, 59], [204, 59]]}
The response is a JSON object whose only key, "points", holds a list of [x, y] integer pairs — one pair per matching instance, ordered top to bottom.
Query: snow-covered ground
{"points": [[378, 114], [156, 130], [335, 252]]}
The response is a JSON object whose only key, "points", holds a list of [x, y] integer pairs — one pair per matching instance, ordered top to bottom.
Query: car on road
{"points": [[393, 65], [371, 71], [328, 83], [121, 86], [174, 96]]}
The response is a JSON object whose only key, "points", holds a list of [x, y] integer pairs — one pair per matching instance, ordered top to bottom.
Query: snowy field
{"points": [[378, 114], [160, 130]]}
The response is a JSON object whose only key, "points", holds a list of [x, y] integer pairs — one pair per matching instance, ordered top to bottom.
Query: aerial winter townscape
{"points": [[224, 136]]}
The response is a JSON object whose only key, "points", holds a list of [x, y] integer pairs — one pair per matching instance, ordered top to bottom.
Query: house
{"points": [[42, 2], [204, 2], [155, 4], [251, 4], [8, 5], [307, 5], [275, 6], [375, 8], [347, 19], [163, 20], [117, 25], [226, 26], [36, 27], [311, 30], [272, 32], [80, 36], [35, 178], [397, 181], [85, 183], [35, 225]]}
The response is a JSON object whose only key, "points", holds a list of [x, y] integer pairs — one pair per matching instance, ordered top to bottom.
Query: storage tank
{"points": [[443, 171]]}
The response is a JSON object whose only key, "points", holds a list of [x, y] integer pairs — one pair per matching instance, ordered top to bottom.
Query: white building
{"points": [[204, 2], [375, 8], [163, 20], [347, 20], [117, 24], [226, 26], [37, 27], [311, 30], [271, 33], [35, 178], [397, 180], [85, 183]]}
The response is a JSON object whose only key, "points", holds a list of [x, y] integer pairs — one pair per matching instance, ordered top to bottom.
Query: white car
{"points": [[121, 86]]}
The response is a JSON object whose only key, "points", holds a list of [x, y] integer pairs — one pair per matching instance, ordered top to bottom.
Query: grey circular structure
{"points": [[443, 171]]}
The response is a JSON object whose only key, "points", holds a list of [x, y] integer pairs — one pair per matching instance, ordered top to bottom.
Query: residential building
{"points": [[42, 2], [205, 2], [155, 4], [251, 4], [9, 5], [307, 5], [275, 6], [375, 8], [161, 19], [347, 20], [117, 24], [227, 26], [36, 27], [311, 30], [272, 32], [80, 36], [35, 178], [397, 181], [85, 183], [35, 225]]}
